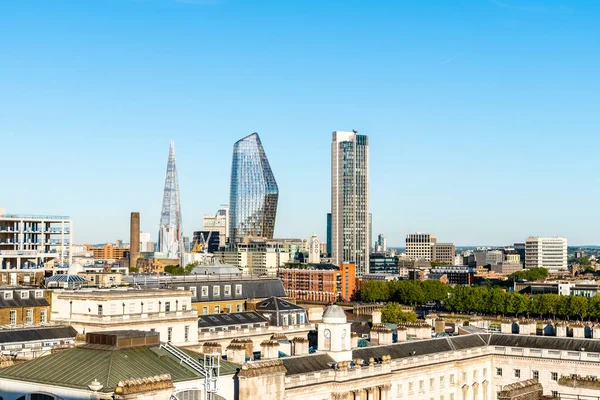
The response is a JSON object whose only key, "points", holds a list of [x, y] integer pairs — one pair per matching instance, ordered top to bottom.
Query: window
{"points": [[193, 289], [216, 290], [227, 290], [238, 290], [204, 291], [24, 294], [39, 294], [8, 295], [167, 306], [183, 307], [229, 307], [238, 308], [100, 309], [217, 309], [205, 310], [29, 316], [13, 317], [43, 317], [301, 318], [293, 319], [285, 320], [187, 333], [169, 334], [498, 371], [484, 372], [517, 373], [475, 375], [536, 375], [464, 376], [554, 376], [452, 379], [431, 383], [442, 383], [421, 385], [410, 387], [399, 390], [554, 393], [451, 396]]}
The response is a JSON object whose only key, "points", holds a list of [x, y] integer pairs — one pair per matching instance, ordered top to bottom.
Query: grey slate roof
{"points": [[17, 301], [277, 304], [244, 319], [34, 334], [546, 342], [306, 364]]}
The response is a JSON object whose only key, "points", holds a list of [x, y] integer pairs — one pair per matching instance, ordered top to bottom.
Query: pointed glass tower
{"points": [[253, 192], [170, 239]]}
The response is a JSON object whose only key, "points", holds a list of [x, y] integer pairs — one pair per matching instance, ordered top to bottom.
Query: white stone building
{"points": [[419, 246], [549, 253], [168, 312]]}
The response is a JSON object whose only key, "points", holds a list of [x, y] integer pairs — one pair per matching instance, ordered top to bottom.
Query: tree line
{"points": [[404, 292], [496, 301]]}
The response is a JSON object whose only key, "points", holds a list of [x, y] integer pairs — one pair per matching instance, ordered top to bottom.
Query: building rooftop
{"points": [[276, 304], [231, 319], [35, 334], [77, 368]]}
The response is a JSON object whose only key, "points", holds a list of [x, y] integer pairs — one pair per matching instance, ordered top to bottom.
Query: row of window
{"points": [[216, 290], [24, 294], [149, 307], [217, 309], [28, 316], [534, 374]]}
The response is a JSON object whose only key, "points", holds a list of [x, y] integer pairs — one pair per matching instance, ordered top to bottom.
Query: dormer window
{"points": [[24, 294], [39, 294], [8, 295]]}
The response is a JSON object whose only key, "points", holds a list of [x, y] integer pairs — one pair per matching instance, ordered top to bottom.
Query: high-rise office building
{"points": [[253, 192], [350, 218], [170, 234], [328, 234], [381, 246], [419, 246], [549, 253]]}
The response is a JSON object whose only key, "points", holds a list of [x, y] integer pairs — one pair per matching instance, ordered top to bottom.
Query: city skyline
{"points": [[490, 111]]}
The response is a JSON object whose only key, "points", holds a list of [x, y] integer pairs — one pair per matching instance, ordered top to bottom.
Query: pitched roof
{"points": [[18, 301], [276, 304], [231, 319], [34, 334], [546, 342], [305, 364], [78, 367]]}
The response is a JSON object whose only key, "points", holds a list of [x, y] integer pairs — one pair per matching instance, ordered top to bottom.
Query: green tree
{"points": [[375, 291], [594, 306], [578, 307], [393, 313]]}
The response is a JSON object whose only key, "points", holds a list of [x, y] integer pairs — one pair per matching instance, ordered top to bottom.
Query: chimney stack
{"points": [[134, 239]]}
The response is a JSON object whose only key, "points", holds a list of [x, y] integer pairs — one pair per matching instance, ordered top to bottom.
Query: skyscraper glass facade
{"points": [[253, 192]]}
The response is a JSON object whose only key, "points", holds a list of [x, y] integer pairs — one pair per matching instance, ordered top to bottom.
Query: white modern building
{"points": [[350, 218], [218, 223], [34, 241], [146, 243], [419, 246], [549, 253], [168, 312]]}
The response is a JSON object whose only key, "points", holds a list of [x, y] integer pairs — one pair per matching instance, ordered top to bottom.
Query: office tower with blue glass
{"points": [[253, 192], [350, 218], [170, 235]]}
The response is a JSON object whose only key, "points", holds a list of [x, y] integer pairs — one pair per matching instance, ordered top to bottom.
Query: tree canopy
{"points": [[393, 313]]}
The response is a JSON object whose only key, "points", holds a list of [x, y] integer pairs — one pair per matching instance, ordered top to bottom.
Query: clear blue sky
{"points": [[483, 116]]}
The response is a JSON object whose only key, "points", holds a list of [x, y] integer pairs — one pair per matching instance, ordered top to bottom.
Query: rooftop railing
{"points": [[31, 216]]}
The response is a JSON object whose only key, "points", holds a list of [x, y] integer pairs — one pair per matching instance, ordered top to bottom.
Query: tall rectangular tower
{"points": [[350, 236]]}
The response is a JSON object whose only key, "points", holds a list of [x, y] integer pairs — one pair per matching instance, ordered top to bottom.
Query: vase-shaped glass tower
{"points": [[253, 192], [169, 233]]}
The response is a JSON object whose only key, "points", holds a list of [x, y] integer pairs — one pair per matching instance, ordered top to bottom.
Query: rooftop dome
{"points": [[75, 268], [334, 313]]}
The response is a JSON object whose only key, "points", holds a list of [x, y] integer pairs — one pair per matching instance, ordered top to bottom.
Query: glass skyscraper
{"points": [[253, 192]]}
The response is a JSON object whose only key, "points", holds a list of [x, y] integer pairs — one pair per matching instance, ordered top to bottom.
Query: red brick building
{"points": [[326, 283]]}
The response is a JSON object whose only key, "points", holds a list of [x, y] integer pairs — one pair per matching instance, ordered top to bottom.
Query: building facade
{"points": [[253, 192], [350, 218], [218, 223], [34, 241], [419, 246], [314, 250], [108, 251], [444, 252], [549, 253], [327, 283], [24, 307], [168, 312]]}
